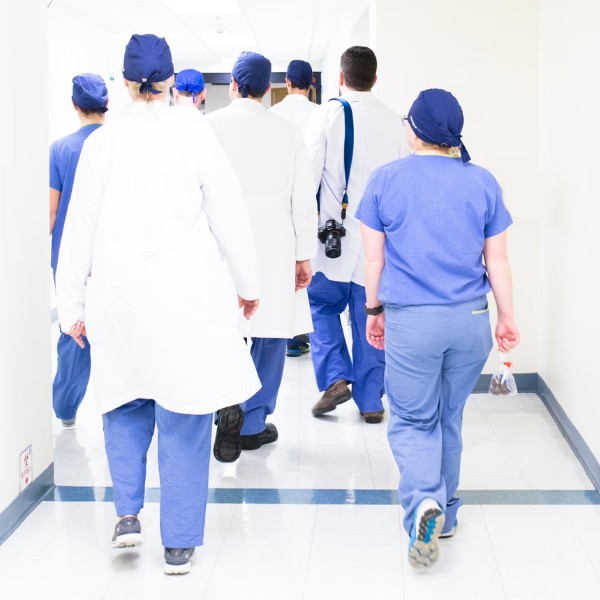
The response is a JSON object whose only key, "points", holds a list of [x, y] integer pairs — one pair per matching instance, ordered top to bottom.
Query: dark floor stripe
{"points": [[359, 497]]}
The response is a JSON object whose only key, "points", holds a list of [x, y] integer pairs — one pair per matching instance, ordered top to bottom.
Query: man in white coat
{"points": [[297, 109], [271, 161], [155, 209], [339, 282]]}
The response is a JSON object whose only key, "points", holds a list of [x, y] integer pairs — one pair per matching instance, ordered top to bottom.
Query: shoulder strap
{"points": [[348, 147], [348, 152]]}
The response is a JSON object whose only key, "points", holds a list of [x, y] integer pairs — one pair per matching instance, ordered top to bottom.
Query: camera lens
{"points": [[333, 246]]}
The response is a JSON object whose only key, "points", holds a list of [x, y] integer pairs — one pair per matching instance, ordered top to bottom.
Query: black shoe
{"points": [[252, 442], [228, 443], [178, 561]]}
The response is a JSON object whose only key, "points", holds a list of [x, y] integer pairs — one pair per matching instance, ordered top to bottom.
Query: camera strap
{"points": [[348, 152]]}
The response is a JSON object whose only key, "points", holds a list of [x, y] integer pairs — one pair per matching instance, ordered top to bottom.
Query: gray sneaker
{"points": [[128, 532], [178, 561]]}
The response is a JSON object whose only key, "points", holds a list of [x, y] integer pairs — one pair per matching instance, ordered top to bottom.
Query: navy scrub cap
{"points": [[147, 60], [252, 71], [299, 71], [190, 80], [89, 92], [437, 118]]}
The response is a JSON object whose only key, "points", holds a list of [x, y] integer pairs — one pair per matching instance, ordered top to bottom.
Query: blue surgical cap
{"points": [[147, 60], [252, 71], [299, 71], [190, 80], [89, 92], [437, 118]]}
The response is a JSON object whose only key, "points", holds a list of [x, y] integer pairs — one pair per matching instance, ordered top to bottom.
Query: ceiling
{"points": [[212, 33]]}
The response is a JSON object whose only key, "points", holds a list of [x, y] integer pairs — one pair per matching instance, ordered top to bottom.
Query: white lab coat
{"points": [[296, 108], [378, 139], [270, 158], [155, 208]]}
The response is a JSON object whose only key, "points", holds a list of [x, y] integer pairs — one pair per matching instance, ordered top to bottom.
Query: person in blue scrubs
{"points": [[90, 100], [427, 220]]}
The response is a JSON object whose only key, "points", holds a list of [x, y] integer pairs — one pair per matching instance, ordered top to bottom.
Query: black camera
{"points": [[331, 235]]}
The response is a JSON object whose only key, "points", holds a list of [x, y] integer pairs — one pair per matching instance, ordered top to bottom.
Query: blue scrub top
{"points": [[64, 156], [436, 212]]}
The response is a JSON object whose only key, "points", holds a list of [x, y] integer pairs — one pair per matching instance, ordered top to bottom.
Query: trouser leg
{"points": [[328, 349], [268, 355], [368, 362], [460, 372], [72, 376], [128, 432], [183, 461]]}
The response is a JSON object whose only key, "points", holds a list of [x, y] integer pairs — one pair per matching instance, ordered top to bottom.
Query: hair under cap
{"points": [[147, 60], [252, 71], [299, 71], [190, 80], [89, 92], [437, 118]]}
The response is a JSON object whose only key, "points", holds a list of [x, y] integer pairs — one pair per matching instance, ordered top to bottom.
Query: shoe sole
{"points": [[321, 411], [228, 440], [127, 540], [421, 553], [179, 569]]}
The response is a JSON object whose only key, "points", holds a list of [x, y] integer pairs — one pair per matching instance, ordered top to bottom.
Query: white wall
{"points": [[485, 53], [569, 128], [25, 369]]}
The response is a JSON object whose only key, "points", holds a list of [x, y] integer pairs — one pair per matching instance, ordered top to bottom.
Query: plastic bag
{"points": [[503, 382]]}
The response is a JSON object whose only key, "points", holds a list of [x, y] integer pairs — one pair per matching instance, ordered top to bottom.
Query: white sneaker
{"points": [[423, 549]]}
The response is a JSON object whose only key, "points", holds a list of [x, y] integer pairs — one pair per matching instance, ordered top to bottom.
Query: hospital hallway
{"points": [[315, 515]]}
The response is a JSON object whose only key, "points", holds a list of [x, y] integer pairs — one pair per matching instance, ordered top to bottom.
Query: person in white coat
{"points": [[297, 109], [270, 158], [156, 243], [339, 282]]}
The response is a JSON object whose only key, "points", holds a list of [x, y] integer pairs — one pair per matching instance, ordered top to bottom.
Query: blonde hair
{"points": [[160, 86], [453, 151]]}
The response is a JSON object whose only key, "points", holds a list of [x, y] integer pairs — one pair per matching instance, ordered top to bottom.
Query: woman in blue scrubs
{"points": [[427, 220]]}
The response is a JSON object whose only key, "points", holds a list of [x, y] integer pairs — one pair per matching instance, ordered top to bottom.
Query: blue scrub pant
{"points": [[268, 355], [330, 356], [434, 356], [72, 375], [183, 459]]}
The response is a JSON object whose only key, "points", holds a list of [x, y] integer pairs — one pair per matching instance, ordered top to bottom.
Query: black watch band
{"points": [[374, 311]]}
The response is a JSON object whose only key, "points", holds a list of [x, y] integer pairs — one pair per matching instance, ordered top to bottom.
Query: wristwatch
{"points": [[374, 311]]}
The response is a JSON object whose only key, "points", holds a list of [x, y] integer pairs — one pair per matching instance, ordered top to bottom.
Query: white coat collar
{"points": [[353, 96], [247, 104]]}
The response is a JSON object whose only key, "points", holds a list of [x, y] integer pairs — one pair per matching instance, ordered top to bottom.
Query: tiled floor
{"points": [[315, 551]]}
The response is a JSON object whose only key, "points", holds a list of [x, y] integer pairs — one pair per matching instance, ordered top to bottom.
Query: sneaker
{"points": [[300, 345], [335, 394], [373, 417], [68, 423], [253, 442], [228, 443], [450, 532], [128, 533], [423, 549], [178, 561]]}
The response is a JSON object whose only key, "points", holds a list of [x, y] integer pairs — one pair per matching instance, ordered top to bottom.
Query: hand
{"points": [[303, 274], [249, 306], [77, 331], [375, 331], [507, 334]]}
